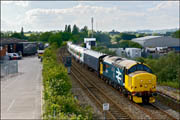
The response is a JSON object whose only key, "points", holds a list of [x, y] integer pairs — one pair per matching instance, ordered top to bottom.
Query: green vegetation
{"points": [[176, 34], [125, 36], [55, 38], [103, 39], [125, 44], [129, 44], [104, 50], [167, 69], [59, 103]]}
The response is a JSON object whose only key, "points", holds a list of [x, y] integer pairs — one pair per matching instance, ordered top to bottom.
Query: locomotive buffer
{"points": [[67, 63]]}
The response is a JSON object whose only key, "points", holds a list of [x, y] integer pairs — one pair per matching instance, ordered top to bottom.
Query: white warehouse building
{"points": [[157, 41]]}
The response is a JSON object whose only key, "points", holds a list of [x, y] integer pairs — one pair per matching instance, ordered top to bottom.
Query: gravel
{"points": [[175, 93], [84, 99]]}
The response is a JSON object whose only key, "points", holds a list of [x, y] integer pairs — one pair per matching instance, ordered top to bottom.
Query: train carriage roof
{"points": [[94, 53]]}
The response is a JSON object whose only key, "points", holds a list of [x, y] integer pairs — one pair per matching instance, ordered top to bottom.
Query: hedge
{"points": [[59, 102]]}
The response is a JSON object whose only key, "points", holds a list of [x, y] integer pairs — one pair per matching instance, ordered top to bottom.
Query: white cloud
{"points": [[18, 3], [164, 5], [106, 17], [6, 25]]}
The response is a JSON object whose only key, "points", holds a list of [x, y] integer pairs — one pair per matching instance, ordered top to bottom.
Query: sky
{"points": [[108, 15]]}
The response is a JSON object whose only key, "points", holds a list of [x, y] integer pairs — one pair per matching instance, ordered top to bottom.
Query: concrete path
{"points": [[21, 93]]}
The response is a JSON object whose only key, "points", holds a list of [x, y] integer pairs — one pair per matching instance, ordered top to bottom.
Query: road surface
{"points": [[21, 93]]}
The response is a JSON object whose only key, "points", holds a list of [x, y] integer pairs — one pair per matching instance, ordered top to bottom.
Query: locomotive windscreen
{"points": [[139, 67]]}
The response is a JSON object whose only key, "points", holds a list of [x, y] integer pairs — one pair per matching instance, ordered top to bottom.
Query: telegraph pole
{"points": [[92, 26]]}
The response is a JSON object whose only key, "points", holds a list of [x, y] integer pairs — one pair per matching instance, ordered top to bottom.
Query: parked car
{"points": [[14, 56]]}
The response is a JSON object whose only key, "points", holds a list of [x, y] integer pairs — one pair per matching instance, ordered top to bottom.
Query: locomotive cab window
{"points": [[139, 67]]}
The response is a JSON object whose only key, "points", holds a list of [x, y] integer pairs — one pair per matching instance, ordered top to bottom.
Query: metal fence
{"points": [[8, 67]]}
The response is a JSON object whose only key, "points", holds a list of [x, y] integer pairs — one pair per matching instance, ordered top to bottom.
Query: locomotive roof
{"points": [[94, 53], [111, 59], [119, 61], [125, 63]]}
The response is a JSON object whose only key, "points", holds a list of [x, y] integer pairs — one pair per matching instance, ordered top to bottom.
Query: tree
{"points": [[66, 29], [69, 29], [85, 29], [75, 30], [84, 32], [22, 33], [155, 34], [176, 34], [16, 35], [45, 36], [66, 36], [126, 36], [33, 37], [55, 38], [102, 38], [118, 38], [77, 39], [129, 44]]}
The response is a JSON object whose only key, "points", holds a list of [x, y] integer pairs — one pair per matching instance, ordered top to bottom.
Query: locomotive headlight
{"points": [[141, 80], [150, 81], [145, 86]]}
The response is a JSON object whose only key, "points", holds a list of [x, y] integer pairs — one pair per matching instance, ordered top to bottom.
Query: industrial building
{"points": [[159, 41], [10, 43]]}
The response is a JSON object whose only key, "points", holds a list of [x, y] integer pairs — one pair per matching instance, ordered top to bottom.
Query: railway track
{"points": [[96, 94], [100, 97], [168, 97], [149, 109], [154, 111]]}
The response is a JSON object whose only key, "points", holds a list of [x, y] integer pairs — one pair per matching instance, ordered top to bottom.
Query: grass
{"points": [[170, 84]]}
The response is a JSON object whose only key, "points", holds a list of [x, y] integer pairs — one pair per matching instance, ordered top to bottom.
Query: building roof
{"points": [[146, 38], [6, 41], [157, 41]]}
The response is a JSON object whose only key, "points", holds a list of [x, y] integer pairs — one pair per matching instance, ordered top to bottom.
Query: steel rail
{"points": [[91, 94], [104, 94]]}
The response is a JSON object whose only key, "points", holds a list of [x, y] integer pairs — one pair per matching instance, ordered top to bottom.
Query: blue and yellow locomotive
{"points": [[133, 78]]}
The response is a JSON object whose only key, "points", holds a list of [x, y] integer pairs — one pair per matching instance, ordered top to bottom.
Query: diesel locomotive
{"points": [[134, 79]]}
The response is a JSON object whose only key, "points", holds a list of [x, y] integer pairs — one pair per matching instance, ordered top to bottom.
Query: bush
{"points": [[55, 38], [59, 103]]}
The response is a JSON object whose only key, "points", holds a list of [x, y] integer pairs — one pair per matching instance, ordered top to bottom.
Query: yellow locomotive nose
{"points": [[144, 82], [142, 86]]}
